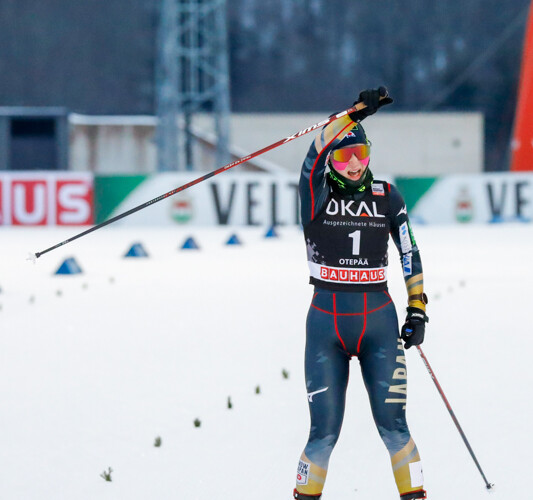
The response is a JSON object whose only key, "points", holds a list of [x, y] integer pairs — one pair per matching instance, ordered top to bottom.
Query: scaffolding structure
{"points": [[192, 76]]}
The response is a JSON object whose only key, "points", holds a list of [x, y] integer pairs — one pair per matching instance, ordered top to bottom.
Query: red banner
{"points": [[522, 143], [41, 199]]}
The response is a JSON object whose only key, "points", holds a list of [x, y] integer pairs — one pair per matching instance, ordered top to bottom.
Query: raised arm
{"points": [[313, 187]]}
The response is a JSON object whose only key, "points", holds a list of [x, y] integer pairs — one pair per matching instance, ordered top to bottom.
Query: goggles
{"points": [[361, 151], [341, 157]]}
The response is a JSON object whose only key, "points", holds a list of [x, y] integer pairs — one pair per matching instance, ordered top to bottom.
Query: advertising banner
{"points": [[476, 198], [46, 199], [245, 199], [254, 199]]}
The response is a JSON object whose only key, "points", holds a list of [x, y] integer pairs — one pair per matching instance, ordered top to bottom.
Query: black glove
{"points": [[371, 99], [414, 327]]}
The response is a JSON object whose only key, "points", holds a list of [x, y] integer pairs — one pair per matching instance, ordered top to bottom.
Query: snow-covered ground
{"points": [[94, 367]]}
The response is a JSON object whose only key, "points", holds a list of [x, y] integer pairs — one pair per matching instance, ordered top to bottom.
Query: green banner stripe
{"points": [[414, 188], [110, 191]]}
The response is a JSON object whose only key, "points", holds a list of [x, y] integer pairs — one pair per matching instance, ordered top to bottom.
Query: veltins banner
{"points": [[481, 198], [231, 199]]}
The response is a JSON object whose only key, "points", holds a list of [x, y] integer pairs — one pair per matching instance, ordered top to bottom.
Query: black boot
{"points": [[414, 495], [301, 496]]}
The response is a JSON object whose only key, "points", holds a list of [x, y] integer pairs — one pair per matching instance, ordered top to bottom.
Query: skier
{"points": [[347, 217]]}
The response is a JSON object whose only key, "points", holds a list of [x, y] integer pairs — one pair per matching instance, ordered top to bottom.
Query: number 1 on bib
{"points": [[356, 244]]}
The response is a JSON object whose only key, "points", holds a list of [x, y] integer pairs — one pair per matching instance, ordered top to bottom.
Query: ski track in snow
{"points": [[93, 367]]}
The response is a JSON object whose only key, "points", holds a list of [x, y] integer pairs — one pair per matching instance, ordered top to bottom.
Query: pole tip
{"points": [[32, 257], [490, 487]]}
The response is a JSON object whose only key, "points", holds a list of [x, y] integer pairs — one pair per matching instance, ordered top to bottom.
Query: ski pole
{"points": [[332, 118], [488, 485]]}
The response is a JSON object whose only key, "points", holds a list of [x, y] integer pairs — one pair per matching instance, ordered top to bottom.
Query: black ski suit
{"points": [[352, 313]]}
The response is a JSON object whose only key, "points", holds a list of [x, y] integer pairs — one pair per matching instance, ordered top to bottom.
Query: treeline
{"points": [[285, 55]]}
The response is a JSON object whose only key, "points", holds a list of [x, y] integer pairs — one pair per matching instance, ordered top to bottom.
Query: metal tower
{"points": [[191, 76]]}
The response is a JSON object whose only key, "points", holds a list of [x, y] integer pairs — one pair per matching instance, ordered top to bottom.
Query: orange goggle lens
{"points": [[361, 151]]}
